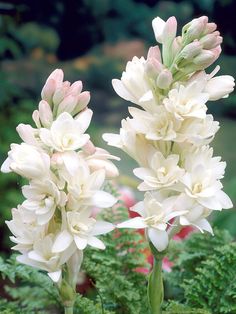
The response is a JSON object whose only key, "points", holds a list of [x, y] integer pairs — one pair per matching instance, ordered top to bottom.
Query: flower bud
{"points": [[158, 26], [209, 28], [194, 29], [169, 31], [211, 41], [176, 45], [191, 50], [154, 53], [204, 59], [153, 67], [164, 79], [219, 87], [76, 88], [48, 90], [60, 93], [82, 102], [67, 105], [45, 114], [35, 117], [26, 133], [89, 148], [111, 170]]}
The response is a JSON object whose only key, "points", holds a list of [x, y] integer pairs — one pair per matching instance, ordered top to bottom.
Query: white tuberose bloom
{"points": [[133, 85], [187, 101], [158, 125], [66, 133], [27, 161], [161, 172], [42, 198], [155, 212], [24, 228], [82, 230], [42, 257]]}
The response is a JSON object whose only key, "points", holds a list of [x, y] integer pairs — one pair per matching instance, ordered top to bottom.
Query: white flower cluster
{"points": [[169, 137], [66, 173]]}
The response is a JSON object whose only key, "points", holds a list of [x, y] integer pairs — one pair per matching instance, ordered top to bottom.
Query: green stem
{"points": [[155, 286], [68, 310]]}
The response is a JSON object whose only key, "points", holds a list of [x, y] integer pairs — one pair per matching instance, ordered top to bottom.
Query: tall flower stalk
{"points": [[169, 136], [65, 174]]}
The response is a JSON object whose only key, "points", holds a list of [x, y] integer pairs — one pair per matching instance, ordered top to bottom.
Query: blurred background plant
{"points": [[92, 40]]}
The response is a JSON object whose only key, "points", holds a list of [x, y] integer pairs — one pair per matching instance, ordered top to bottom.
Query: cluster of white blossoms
{"points": [[169, 136], [66, 172]]}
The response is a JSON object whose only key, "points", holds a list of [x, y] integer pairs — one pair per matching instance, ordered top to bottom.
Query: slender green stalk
{"points": [[155, 287], [69, 310]]}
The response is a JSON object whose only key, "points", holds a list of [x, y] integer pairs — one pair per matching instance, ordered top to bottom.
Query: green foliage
{"points": [[204, 272], [121, 288], [177, 308]]}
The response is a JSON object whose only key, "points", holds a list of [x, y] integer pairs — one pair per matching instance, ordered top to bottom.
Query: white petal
{"points": [[158, 26], [121, 90], [84, 119], [5, 168], [103, 199], [224, 199], [135, 223], [204, 225], [102, 227], [158, 238], [62, 242], [95, 242], [81, 243], [55, 276]]}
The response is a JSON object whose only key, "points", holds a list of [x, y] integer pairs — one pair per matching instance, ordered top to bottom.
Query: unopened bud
{"points": [[209, 28], [170, 29], [194, 29], [211, 41], [176, 45], [191, 50], [154, 53], [204, 59], [153, 67], [57, 75], [164, 79], [76, 88], [48, 90], [60, 93], [82, 102], [67, 105], [45, 114], [35, 117], [89, 148], [111, 170]]}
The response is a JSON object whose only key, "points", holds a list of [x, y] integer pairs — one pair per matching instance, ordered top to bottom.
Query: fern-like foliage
{"points": [[204, 273], [122, 289]]}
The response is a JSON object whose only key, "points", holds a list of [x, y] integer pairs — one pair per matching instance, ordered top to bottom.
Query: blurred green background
{"points": [[92, 40]]}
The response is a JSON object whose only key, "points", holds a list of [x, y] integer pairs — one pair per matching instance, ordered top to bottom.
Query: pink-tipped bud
{"points": [[195, 28], [210, 28], [170, 29], [211, 41], [176, 45], [191, 50], [154, 53], [204, 59], [153, 67], [57, 75], [164, 79], [76, 88], [48, 90], [60, 93], [82, 102], [67, 105], [45, 114], [35, 117], [27, 133], [89, 148], [111, 170]]}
